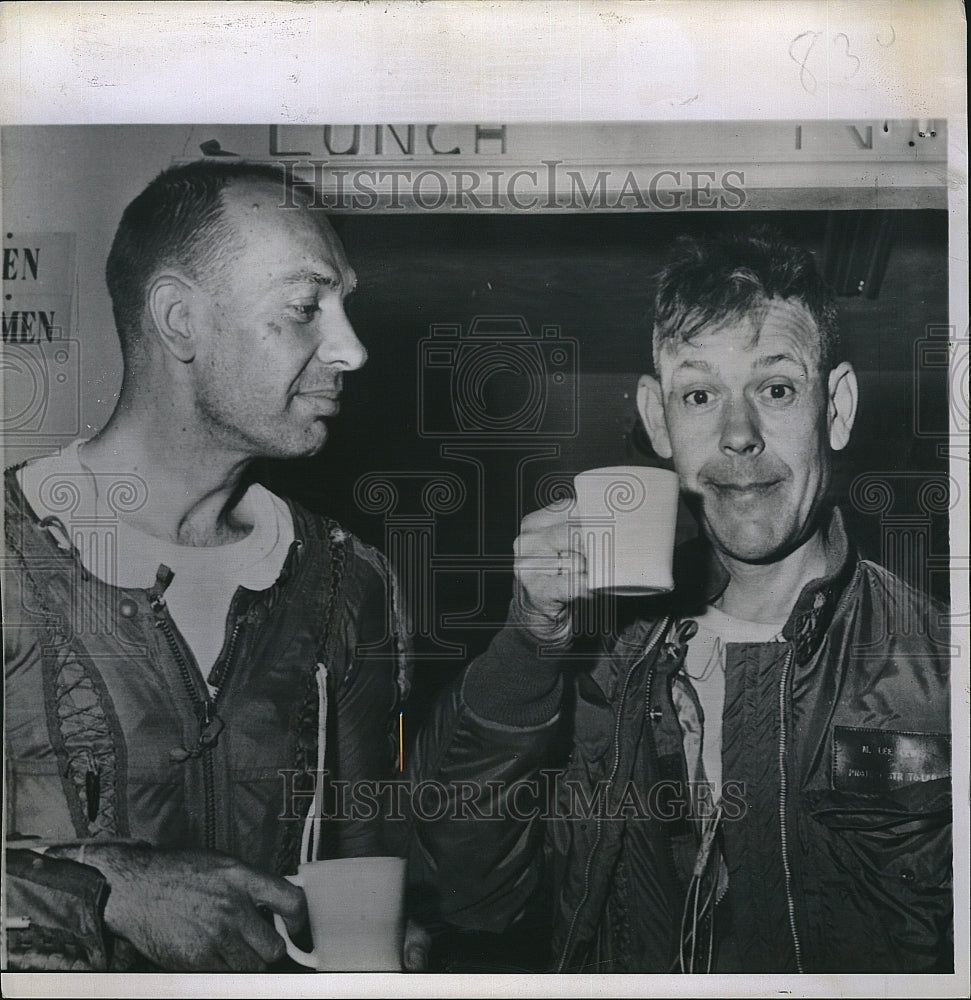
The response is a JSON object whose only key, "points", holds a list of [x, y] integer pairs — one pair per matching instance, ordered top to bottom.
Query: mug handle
{"points": [[308, 958]]}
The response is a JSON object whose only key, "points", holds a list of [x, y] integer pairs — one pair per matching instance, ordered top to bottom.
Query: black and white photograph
{"points": [[471, 546]]}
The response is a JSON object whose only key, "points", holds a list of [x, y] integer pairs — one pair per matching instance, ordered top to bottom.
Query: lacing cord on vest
{"points": [[310, 840], [310, 843]]}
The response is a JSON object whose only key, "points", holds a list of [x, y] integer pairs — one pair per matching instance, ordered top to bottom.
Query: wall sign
{"points": [[610, 166], [38, 287], [40, 361]]}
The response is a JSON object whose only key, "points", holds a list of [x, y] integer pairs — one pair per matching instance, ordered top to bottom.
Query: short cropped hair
{"points": [[177, 222], [731, 276]]}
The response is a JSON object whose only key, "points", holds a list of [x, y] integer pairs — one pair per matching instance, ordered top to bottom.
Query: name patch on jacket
{"points": [[879, 760]]}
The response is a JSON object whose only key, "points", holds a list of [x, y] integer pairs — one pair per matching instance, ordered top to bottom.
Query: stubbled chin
{"points": [[318, 437], [306, 444], [751, 534], [750, 550]]}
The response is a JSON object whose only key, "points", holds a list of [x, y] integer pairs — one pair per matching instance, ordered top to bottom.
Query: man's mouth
{"points": [[328, 401], [743, 488]]}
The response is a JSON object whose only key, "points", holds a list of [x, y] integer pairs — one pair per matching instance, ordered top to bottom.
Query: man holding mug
{"points": [[167, 692], [753, 775]]}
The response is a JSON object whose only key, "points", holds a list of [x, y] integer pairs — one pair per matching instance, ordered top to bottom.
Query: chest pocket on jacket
{"points": [[35, 801], [903, 836]]}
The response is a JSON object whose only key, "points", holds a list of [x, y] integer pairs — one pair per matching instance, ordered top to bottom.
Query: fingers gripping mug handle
{"points": [[308, 958]]}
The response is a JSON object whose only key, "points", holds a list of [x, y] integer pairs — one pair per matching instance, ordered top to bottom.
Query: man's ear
{"points": [[170, 307], [650, 405], [841, 410]]}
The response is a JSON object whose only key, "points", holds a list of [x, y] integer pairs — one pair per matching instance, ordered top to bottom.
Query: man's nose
{"points": [[338, 341], [741, 434]]}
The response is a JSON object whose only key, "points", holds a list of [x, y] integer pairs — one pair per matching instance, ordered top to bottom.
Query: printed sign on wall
{"points": [[38, 286], [40, 360]]}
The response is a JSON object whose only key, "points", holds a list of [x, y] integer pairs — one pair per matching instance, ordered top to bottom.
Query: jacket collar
{"points": [[19, 513], [700, 578]]}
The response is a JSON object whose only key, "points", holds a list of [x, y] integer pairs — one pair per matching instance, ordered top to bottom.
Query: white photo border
{"points": [[513, 60]]}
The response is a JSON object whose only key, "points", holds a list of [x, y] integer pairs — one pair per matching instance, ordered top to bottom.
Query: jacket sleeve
{"points": [[476, 791], [52, 907], [53, 914]]}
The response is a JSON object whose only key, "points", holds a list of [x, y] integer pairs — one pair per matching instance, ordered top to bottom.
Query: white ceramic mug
{"points": [[623, 522], [356, 912]]}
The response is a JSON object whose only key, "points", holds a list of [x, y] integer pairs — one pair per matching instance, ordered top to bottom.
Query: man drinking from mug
{"points": [[159, 690], [753, 775]]}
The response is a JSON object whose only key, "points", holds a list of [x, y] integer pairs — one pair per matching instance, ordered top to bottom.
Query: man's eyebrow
{"points": [[348, 279], [769, 360], [765, 361], [701, 366]]}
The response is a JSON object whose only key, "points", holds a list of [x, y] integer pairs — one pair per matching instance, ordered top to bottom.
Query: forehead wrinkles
{"points": [[256, 207], [256, 219], [790, 316], [787, 318]]}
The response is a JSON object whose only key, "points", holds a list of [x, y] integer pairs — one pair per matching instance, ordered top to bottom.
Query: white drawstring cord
{"points": [[314, 820], [709, 827]]}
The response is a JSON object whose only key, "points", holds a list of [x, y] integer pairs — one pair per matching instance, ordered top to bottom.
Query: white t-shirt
{"points": [[205, 577], [705, 668]]}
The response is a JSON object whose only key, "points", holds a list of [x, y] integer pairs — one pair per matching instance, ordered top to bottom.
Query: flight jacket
{"points": [[112, 736], [834, 847]]}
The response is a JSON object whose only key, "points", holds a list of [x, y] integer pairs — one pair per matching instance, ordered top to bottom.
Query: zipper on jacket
{"points": [[217, 676], [210, 724], [652, 752], [783, 796], [669, 853], [588, 868]]}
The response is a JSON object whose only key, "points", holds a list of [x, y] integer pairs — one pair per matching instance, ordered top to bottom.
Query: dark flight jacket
{"points": [[111, 734], [838, 846]]}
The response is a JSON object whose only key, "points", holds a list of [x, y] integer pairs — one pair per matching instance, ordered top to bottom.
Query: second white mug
{"points": [[356, 912]]}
